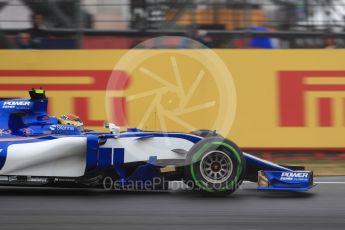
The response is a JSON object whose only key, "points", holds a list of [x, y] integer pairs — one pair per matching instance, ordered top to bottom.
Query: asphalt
{"points": [[321, 208]]}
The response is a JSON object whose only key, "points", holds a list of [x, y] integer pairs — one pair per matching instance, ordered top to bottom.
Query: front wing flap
{"points": [[285, 180]]}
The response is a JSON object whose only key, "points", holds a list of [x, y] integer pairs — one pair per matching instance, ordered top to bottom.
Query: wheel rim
{"points": [[216, 167]]}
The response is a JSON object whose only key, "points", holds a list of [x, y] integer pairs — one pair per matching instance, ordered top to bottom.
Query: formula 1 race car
{"points": [[41, 150]]}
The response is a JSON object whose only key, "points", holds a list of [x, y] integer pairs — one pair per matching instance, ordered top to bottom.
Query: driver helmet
{"points": [[71, 119]]}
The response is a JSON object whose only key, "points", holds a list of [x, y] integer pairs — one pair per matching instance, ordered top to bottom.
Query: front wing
{"points": [[285, 180]]}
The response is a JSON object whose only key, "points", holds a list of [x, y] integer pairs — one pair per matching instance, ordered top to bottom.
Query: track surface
{"points": [[321, 208]]}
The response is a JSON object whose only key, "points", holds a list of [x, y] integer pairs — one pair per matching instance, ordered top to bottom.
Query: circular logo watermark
{"points": [[174, 89]]}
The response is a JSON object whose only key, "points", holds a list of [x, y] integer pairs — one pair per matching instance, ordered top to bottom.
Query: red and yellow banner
{"points": [[258, 98]]}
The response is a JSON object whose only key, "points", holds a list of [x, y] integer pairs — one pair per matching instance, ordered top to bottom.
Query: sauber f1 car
{"points": [[41, 150]]}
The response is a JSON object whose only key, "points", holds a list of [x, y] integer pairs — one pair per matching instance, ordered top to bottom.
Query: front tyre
{"points": [[215, 166]]}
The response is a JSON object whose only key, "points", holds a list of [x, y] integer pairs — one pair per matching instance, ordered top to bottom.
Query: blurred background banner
{"points": [[113, 24], [271, 80], [280, 100]]}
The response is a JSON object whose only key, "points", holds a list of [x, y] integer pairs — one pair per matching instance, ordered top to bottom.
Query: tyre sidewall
{"points": [[193, 161]]}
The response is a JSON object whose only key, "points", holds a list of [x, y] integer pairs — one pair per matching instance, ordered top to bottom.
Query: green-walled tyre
{"points": [[215, 166]]}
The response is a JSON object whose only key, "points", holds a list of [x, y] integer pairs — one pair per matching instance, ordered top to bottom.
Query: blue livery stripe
{"points": [[188, 137], [91, 152], [3, 153], [104, 157], [118, 161]]}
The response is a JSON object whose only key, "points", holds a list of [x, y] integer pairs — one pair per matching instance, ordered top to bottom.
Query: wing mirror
{"points": [[114, 129]]}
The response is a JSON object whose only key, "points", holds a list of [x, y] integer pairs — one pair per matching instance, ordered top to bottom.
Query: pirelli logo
{"points": [[83, 90], [311, 98]]}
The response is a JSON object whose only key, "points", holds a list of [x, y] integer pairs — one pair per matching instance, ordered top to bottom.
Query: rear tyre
{"points": [[215, 166]]}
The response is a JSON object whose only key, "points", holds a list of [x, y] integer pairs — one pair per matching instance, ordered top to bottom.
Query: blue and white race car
{"points": [[41, 150]]}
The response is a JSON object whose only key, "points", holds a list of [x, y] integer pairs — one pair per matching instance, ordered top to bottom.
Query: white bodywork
{"points": [[141, 149], [63, 157], [66, 157]]}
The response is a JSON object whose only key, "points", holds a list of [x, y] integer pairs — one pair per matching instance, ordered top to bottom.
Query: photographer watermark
{"points": [[170, 87], [161, 184]]}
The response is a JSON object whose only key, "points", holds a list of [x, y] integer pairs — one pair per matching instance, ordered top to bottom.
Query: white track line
{"points": [[315, 182], [329, 182]]}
